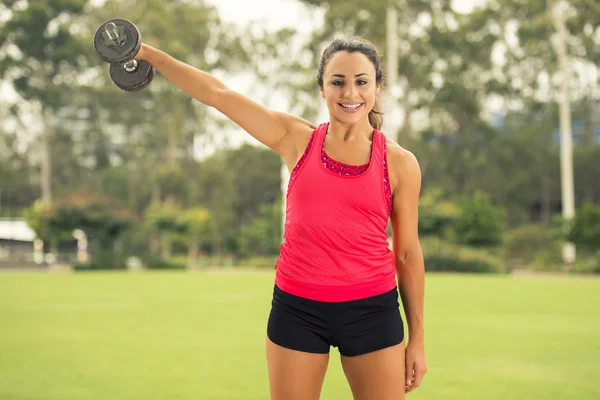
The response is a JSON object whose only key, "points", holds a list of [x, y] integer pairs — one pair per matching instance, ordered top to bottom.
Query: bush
{"points": [[437, 216], [480, 223], [585, 228], [261, 236], [533, 246], [444, 256], [102, 262], [258, 262], [157, 263], [588, 265]]}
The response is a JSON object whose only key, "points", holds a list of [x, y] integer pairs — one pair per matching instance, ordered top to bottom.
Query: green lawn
{"points": [[168, 336]]}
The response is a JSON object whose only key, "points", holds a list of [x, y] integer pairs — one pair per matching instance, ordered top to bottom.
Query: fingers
{"points": [[417, 378], [409, 380]]}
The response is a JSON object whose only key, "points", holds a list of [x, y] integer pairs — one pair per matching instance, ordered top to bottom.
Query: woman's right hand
{"points": [[141, 53]]}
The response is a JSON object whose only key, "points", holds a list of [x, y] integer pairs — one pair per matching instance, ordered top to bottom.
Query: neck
{"points": [[346, 132]]}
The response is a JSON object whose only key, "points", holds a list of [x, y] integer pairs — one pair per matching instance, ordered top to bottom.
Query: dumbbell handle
{"points": [[111, 31], [113, 34], [130, 65]]}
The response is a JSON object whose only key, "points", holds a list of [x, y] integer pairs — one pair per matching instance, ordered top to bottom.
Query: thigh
{"points": [[368, 325], [293, 374], [378, 375]]}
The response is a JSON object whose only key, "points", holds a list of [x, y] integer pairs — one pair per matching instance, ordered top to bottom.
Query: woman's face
{"points": [[349, 86]]}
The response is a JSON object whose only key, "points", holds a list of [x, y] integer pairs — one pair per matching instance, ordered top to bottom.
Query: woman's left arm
{"points": [[408, 257]]}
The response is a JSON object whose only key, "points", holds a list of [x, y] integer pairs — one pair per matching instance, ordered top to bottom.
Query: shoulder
{"points": [[297, 126], [298, 133], [403, 166]]}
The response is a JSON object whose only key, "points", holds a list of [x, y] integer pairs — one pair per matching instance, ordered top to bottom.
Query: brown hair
{"points": [[352, 46]]}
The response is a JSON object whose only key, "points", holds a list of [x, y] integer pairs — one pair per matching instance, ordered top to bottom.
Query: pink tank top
{"points": [[335, 243]]}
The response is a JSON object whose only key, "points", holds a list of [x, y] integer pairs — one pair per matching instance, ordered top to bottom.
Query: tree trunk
{"points": [[590, 121], [404, 136], [590, 138], [566, 140], [46, 164], [545, 212], [216, 230], [154, 244], [166, 246], [193, 254]]}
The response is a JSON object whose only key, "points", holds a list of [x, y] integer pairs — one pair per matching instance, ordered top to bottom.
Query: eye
{"points": [[361, 82], [338, 83]]}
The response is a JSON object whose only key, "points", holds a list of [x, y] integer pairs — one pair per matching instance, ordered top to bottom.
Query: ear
{"points": [[378, 88], [322, 93]]}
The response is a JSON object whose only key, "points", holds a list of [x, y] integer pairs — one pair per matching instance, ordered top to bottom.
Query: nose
{"points": [[349, 92]]}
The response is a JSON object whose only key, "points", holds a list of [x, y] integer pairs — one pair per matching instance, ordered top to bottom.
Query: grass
{"points": [[178, 335]]}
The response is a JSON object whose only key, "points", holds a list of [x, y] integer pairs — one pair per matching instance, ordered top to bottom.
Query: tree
{"points": [[37, 58], [97, 217], [480, 223], [196, 224], [585, 228]]}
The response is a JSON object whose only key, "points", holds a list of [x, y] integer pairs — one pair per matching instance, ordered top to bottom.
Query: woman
{"points": [[335, 281]]}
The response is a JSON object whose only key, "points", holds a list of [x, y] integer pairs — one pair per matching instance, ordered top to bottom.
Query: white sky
{"points": [[276, 13], [280, 13]]}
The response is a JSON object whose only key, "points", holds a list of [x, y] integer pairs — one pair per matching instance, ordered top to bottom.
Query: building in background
{"points": [[17, 241]]}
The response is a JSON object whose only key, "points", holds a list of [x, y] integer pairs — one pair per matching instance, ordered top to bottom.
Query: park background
{"points": [[139, 231]]}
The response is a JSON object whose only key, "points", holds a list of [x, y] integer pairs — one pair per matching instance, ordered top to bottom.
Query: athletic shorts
{"points": [[355, 327]]}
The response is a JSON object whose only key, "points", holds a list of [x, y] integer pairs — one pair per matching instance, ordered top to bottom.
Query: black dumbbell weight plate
{"points": [[124, 48], [132, 81]]}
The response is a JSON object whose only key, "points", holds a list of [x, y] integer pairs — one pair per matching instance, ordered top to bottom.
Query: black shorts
{"points": [[354, 327]]}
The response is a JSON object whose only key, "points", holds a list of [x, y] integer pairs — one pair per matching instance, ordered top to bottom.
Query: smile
{"points": [[351, 108]]}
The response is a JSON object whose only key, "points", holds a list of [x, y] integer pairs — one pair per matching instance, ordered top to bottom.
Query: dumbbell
{"points": [[117, 41]]}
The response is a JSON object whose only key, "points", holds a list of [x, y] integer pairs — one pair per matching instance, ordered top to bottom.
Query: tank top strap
{"points": [[319, 140], [378, 151]]}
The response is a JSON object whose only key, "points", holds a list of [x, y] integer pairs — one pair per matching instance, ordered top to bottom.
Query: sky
{"points": [[276, 13], [281, 13]]}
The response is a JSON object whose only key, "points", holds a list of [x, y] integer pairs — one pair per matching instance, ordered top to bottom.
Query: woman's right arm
{"points": [[269, 127]]}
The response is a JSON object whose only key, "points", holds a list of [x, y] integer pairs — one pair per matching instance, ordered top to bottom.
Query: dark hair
{"points": [[366, 48]]}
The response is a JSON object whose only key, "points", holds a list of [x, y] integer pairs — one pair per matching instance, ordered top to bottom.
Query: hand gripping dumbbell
{"points": [[118, 41]]}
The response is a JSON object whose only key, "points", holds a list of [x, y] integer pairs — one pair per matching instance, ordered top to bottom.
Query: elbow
{"points": [[211, 97], [408, 256], [402, 257]]}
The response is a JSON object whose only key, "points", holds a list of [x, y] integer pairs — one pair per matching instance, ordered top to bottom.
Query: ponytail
{"points": [[376, 116]]}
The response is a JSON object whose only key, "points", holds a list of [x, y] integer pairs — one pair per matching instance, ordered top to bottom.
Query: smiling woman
{"points": [[342, 57], [337, 282]]}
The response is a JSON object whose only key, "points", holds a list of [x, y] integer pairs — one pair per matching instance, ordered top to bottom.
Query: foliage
{"points": [[437, 216], [102, 223], [480, 223], [585, 228], [262, 235], [533, 246], [444, 256], [157, 263], [587, 265]]}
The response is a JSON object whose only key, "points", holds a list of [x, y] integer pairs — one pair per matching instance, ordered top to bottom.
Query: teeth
{"points": [[350, 106]]}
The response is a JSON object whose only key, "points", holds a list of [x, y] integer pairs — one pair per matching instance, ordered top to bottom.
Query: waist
{"points": [[335, 293]]}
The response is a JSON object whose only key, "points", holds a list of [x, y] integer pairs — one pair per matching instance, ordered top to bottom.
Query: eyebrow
{"points": [[343, 76]]}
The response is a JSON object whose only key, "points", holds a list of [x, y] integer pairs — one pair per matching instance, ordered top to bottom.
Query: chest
{"points": [[351, 154]]}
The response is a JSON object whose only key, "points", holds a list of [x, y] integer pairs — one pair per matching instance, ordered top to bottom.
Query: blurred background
{"points": [[498, 99]]}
